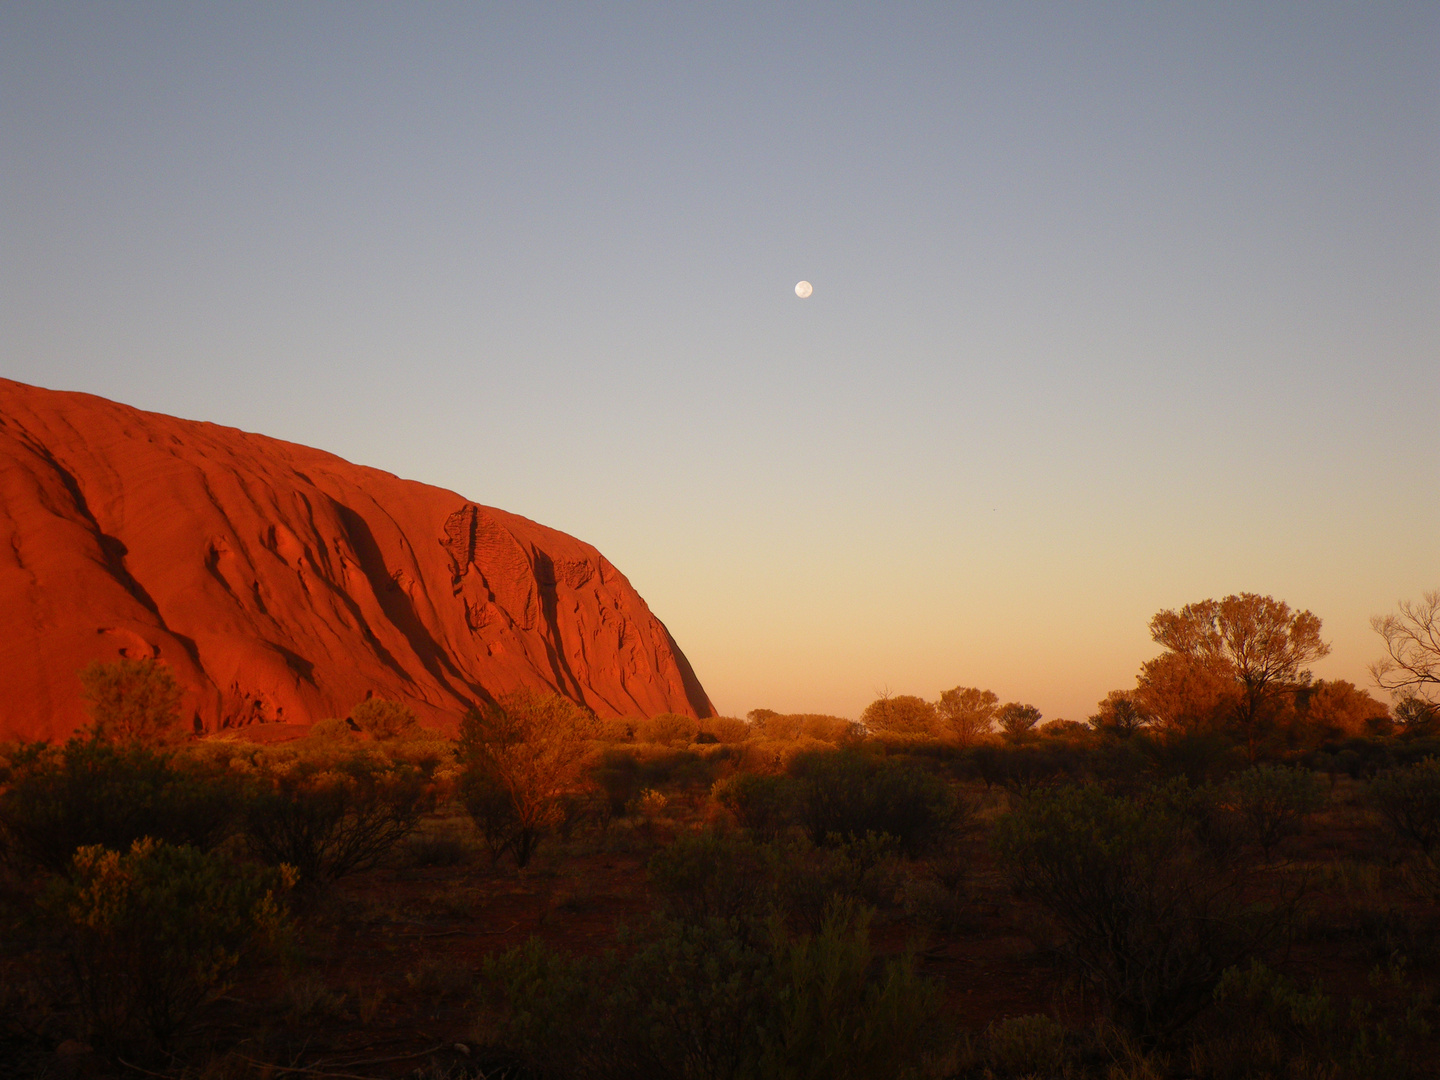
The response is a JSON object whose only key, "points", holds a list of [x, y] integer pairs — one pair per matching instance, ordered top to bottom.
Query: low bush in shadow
{"points": [[89, 793], [849, 794], [330, 818], [1150, 916], [151, 934], [714, 997]]}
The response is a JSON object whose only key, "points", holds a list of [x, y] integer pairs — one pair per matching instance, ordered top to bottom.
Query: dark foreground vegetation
{"points": [[1209, 879]]}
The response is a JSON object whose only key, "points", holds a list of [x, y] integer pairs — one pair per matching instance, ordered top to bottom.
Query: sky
{"points": [[1117, 306]]}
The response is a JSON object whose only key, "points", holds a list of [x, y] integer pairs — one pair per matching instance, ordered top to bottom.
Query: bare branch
{"points": [[1412, 645]]}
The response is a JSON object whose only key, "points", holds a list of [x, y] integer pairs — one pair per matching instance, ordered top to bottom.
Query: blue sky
{"points": [[1116, 306]]}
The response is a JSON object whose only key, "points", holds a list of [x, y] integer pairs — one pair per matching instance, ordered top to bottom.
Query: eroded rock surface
{"points": [[282, 584]]}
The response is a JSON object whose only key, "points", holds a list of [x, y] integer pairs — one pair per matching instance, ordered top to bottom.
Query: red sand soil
{"points": [[283, 584]]}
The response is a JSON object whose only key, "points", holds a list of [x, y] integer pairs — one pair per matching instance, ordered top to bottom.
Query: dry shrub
{"points": [[667, 729], [726, 729]]}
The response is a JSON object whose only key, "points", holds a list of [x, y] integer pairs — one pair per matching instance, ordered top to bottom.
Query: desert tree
{"points": [[1257, 639], [1411, 666], [132, 701], [968, 712], [902, 714], [1119, 715], [1017, 721], [523, 755]]}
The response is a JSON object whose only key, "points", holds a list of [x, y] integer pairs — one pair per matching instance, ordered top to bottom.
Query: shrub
{"points": [[132, 701], [967, 712], [903, 714], [383, 719], [1017, 721], [667, 728], [726, 729], [530, 749], [618, 775], [90, 793], [845, 793], [1409, 801], [1272, 802], [765, 805], [328, 819], [711, 875], [810, 878], [1150, 917], [152, 934], [716, 998], [1025, 1046]]}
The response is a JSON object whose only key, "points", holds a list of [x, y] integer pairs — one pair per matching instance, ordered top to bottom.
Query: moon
{"points": [[804, 289]]}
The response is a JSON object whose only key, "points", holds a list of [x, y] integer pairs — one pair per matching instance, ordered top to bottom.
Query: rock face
{"points": [[283, 584]]}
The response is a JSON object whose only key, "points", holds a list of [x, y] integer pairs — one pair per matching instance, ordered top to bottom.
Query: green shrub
{"points": [[90, 793], [846, 793], [1409, 801], [766, 805], [330, 818], [711, 875], [809, 878], [1149, 916], [152, 934], [715, 998], [1267, 1025]]}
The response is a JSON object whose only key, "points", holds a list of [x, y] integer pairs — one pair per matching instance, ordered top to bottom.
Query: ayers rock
{"points": [[283, 584]]}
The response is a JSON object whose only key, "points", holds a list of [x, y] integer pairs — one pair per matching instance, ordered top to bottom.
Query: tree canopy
{"points": [[1257, 640]]}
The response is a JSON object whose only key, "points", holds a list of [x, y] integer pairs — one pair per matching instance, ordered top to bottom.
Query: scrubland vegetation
{"points": [[1229, 870]]}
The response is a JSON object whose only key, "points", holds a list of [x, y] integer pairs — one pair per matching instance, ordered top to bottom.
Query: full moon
{"points": [[804, 289]]}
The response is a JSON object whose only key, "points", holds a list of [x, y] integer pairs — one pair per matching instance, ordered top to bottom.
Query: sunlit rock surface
{"points": [[282, 584]]}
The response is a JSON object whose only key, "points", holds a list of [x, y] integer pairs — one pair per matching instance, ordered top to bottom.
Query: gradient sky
{"points": [[1116, 307]]}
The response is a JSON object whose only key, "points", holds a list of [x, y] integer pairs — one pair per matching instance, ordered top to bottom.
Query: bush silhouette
{"points": [[132, 701], [94, 793], [846, 793], [1409, 801], [1273, 802], [765, 805], [330, 818], [1151, 918], [152, 934], [716, 998]]}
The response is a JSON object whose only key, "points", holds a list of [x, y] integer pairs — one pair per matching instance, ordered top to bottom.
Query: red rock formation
{"points": [[283, 584]]}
